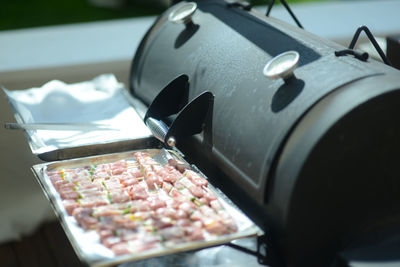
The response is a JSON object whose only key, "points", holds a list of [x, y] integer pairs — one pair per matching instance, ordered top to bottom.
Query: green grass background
{"points": [[17, 14]]}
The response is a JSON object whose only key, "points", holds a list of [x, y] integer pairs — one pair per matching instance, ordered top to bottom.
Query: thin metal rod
{"points": [[284, 3], [270, 5], [291, 13], [372, 40], [359, 55], [59, 126], [243, 249]]}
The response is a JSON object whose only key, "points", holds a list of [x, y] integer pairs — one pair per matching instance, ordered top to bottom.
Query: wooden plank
{"points": [[60, 247], [33, 250], [26, 253], [7, 255], [45, 257]]}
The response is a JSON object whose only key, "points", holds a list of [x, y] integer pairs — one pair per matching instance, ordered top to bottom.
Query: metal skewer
{"points": [[59, 126]]}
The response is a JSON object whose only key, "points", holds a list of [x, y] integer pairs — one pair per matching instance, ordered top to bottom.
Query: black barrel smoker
{"points": [[311, 153]]}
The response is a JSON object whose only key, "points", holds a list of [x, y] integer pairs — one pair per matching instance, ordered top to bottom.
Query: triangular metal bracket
{"points": [[283, 2], [363, 55], [172, 101]]}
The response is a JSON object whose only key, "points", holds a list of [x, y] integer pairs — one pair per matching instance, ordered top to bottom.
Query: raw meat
{"points": [[137, 204]]}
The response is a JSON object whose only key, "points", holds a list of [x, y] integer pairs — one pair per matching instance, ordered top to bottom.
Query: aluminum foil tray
{"points": [[102, 100], [87, 244]]}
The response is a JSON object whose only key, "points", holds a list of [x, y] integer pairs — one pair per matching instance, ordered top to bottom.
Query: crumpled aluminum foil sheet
{"points": [[102, 100]]}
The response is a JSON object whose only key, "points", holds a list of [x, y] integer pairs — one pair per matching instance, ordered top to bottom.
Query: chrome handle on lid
{"points": [[183, 13], [282, 66], [159, 129]]}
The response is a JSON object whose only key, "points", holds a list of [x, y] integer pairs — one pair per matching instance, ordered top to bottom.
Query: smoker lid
{"points": [[224, 51]]}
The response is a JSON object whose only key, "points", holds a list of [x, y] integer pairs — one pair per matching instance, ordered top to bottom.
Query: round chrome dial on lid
{"points": [[183, 13], [282, 66]]}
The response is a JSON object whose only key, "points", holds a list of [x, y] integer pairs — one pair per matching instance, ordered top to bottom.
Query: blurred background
{"points": [[17, 14]]}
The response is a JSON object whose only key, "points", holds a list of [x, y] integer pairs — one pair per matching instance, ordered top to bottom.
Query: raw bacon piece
{"points": [[144, 159], [178, 165], [118, 167], [157, 168], [118, 171], [135, 173], [169, 174], [101, 176], [196, 178], [127, 181], [153, 181], [185, 182], [59, 183], [112, 184], [88, 185], [179, 185], [66, 186], [167, 187], [138, 191], [197, 191], [91, 193], [174, 193], [69, 194], [118, 196], [210, 196], [203, 201], [90, 202], [155, 203], [70, 205], [140, 205], [216, 205], [187, 207], [113, 209], [166, 212], [182, 214], [141, 215], [196, 216], [84, 218], [120, 219], [228, 221], [160, 222], [183, 222], [132, 224], [216, 227], [173, 232], [105, 233], [193, 233], [127, 234], [111, 241], [143, 244], [121, 248]]}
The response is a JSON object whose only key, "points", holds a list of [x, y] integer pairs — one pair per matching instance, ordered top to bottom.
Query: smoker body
{"points": [[314, 160]]}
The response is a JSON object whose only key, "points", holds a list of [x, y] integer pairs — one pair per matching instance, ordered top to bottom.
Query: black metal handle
{"points": [[283, 2], [372, 40], [357, 54], [363, 55], [173, 99]]}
